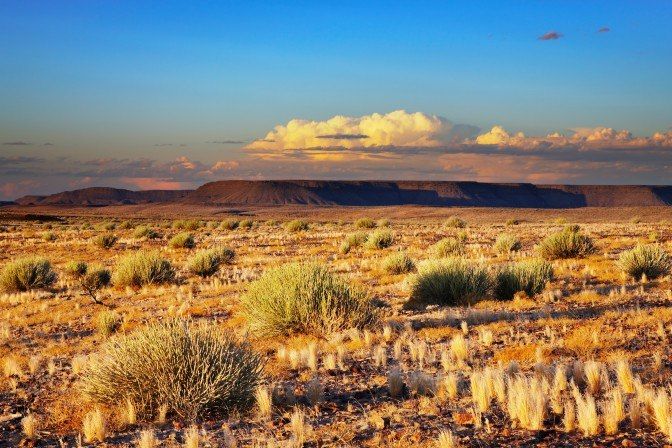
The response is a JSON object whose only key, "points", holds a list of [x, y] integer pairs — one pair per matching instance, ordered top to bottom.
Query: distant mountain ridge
{"points": [[372, 193]]}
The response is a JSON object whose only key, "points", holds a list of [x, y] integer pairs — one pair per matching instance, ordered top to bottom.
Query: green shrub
{"points": [[272, 222], [384, 222], [455, 222], [512, 222], [365, 223], [192, 224], [230, 224], [246, 224], [125, 225], [296, 225], [108, 226], [147, 232], [49, 237], [379, 239], [184, 240], [105, 241], [353, 241], [506, 243], [569, 243], [447, 247], [645, 259], [206, 263], [399, 263], [142, 268], [76, 269], [25, 274], [528, 276], [95, 279], [450, 281], [304, 298], [193, 369]]}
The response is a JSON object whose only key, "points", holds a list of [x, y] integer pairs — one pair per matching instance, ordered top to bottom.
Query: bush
{"points": [[384, 222], [455, 222], [512, 222], [365, 223], [192, 224], [230, 224], [246, 224], [125, 225], [296, 225], [108, 226], [145, 232], [49, 237], [379, 239], [184, 240], [105, 241], [352, 241], [506, 243], [569, 243], [447, 247], [645, 259], [206, 263], [399, 263], [142, 268], [76, 269], [25, 274], [528, 276], [95, 279], [451, 281], [304, 298], [107, 322], [190, 368]]}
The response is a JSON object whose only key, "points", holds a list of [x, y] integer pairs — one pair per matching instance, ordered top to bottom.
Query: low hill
{"points": [[372, 193], [101, 196]]}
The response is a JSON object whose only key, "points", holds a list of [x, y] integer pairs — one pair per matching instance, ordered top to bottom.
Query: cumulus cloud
{"points": [[551, 35], [398, 128]]}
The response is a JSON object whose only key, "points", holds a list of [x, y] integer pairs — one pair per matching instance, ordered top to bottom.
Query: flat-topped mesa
{"points": [[371, 193]]}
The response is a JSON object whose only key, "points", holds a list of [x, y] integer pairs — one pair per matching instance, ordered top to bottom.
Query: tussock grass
{"points": [[455, 222], [365, 223], [229, 224], [297, 225], [147, 232], [379, 239], [184, 240], [105, 241], [353, 241], [506, 243], [569, 243], [447, 247], [650, 260], [207, 262], [399, 263], [142, 268], [27, 273], [529, 276], [451, 281], [304, 298], [192, 369]]}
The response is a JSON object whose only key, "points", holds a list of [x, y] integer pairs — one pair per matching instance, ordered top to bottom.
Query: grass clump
{"points": [[365, 223], [455, 223], [191, 224], [229, 224], [246, 224], [296, 225], [145, 232], [49, 237], [379, 239], [184, 240], [105, 241], [353, 241], [506, 243], [569, 243], [448, 247], [648, 260], [207, 262], [399, 263], [142, 268], [76, 269], [27, 273], [527, 276], [451, 281], [304, 298], [107, 322], [190, 368]]}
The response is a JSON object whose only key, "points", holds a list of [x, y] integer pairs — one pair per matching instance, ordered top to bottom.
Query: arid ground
{"points": [[585, 361]]}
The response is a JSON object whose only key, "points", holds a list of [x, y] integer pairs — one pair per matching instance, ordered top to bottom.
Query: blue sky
{"points": [[98, 78]]}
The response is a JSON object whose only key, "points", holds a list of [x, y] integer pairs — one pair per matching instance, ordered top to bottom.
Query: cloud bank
{"points": [[395, 146]]}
